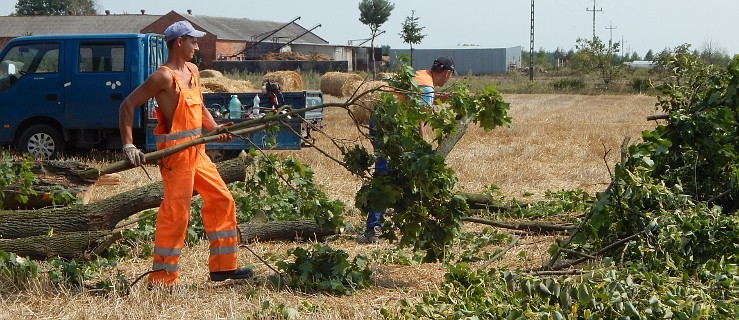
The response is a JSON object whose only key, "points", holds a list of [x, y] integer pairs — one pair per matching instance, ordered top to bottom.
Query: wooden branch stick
{"points": [[241, 128], [540, 227], [600, 252], [497, 256]]}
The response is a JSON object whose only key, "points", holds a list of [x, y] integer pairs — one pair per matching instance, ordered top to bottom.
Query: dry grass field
{"points": [[556, 142]]}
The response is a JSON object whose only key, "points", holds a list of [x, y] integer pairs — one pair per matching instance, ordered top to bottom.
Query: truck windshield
{"points": [[30, 58]]}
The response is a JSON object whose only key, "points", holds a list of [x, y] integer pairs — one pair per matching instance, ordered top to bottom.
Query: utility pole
{"points": [[594, 11], [611, 27], [610, 40], [531, 45], [622, 47]]}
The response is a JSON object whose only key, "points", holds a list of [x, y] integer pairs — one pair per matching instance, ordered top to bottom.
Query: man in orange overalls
{"points": [[182, 117]]}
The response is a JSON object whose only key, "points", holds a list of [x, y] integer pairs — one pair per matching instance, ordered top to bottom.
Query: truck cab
{"points": [[62, 91]]}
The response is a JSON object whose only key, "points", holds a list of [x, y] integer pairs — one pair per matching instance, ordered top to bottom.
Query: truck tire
{"points": [[41, 141]]}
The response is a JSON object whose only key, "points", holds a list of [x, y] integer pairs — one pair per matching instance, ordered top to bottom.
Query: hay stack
{"points": [[298, 56], [209, 73], [289, 80], [223, 84], [338, 84], [366, 104]]}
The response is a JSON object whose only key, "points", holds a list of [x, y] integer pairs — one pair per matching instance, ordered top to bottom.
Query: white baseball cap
{"points": [[181, 28]]}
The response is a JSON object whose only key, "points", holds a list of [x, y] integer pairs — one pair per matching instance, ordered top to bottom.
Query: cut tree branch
{"points": [[534, 227]]}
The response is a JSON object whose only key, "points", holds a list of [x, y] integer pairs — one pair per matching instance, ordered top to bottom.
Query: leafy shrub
{"points": [[641, 85], [14, 174], [276, 190], [322, 268], [15, 271], [607, 293]]}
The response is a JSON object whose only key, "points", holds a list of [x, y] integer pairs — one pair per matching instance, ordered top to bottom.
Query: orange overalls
{"points": [[181, 172]]}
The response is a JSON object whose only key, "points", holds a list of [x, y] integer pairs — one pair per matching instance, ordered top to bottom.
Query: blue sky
{"points": [[642, 25]]}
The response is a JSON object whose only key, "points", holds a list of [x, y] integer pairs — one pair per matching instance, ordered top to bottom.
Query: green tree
{"points": [[55, 7], [82, 7], [374, 13], [411, 32], [596, 56], [634, 56], [649, 56], [541, 59]]}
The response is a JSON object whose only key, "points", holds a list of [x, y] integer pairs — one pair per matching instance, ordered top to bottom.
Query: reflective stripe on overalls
{"points": [[181, 173]]}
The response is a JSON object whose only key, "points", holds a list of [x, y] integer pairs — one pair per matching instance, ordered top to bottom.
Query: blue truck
{"points": [[63, 91]]}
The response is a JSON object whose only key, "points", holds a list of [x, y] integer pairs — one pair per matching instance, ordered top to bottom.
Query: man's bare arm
{"points": [[154, 84]]}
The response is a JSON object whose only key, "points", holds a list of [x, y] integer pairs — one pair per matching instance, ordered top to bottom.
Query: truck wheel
{"points": [[41, 141]]}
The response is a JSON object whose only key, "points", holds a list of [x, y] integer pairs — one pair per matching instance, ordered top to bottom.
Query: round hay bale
{"points": [[209, 73], [289, 80], [332, 83], [226, 85], [362, 86], [366, 105], [362, 111]]}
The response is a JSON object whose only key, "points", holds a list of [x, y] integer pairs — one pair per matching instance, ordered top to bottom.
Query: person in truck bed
{"points": [[182, 117]]}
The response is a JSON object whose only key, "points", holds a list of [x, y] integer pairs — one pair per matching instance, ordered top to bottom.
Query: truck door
{"points": [[31, 84], [98, 84]]}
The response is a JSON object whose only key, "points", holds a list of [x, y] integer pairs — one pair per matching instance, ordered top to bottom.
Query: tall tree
{"points": [[55, 7], [374, 13], [411, 32], [649, 56]]}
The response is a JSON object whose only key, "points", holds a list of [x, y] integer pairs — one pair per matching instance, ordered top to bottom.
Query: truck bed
{"points": [[285, 137]]}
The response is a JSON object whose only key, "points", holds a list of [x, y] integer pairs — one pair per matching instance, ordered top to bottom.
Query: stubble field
{"points": [[556, 142]]}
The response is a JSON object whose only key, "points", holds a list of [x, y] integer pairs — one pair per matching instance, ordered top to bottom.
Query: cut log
{"points": [[49, 174], [101, 215], [79, 230], [66, 245], [80, 245]]}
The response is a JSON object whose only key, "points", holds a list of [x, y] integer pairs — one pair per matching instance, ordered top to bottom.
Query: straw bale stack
{"points": [[298, 56], [210, 73], [289, 80], [223, 84], [338, 84]]}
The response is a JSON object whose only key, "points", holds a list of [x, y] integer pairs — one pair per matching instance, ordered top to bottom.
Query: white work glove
{"points": [[135, 156]]}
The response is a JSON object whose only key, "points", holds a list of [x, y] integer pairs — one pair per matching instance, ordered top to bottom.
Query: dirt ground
{"points": [[556, 142]]}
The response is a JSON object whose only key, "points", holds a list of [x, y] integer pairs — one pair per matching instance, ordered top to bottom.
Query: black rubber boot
{"points": [[240, 273]]}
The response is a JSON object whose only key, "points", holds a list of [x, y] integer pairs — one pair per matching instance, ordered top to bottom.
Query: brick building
{"points": [[226, 37]]}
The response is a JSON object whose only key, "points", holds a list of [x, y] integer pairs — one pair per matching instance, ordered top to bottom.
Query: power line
{"points": [[594, 10]]}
